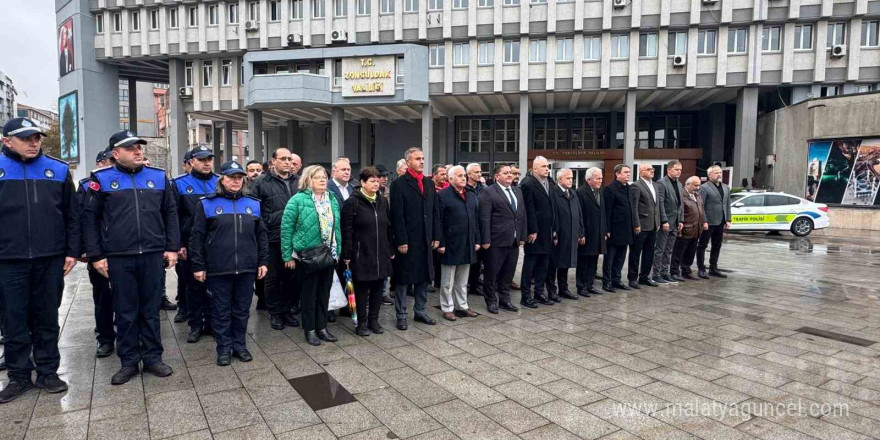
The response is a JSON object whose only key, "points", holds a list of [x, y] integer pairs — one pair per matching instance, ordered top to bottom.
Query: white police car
{"points": [[776, 211]]}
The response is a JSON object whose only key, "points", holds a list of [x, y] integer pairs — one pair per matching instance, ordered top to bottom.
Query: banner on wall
{"points": [[66, 59], [69, 127], [844, 172]]}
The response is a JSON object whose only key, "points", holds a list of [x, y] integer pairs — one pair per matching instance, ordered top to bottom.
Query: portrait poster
{"points": [[66, 58], [69, 127], [816, 159], [837, 170], [864, 180]]}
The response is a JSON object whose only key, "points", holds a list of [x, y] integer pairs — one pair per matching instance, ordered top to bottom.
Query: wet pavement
{"points": [[782, 349]]}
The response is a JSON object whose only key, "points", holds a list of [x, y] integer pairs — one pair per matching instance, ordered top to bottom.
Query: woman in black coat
{"points": [[459, 233], [366, 248]]}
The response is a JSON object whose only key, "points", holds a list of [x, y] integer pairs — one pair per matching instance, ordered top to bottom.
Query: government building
{"points": [[584, 83]]}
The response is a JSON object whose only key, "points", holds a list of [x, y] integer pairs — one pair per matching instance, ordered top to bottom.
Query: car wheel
{"points": [[802, 226]]}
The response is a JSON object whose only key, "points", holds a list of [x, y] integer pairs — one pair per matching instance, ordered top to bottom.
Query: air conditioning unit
{"points": [[710, 2], [619, 4], [251, 25], [338, 36], [294, 39], [838, 51], [679, 61], [185, 92]]}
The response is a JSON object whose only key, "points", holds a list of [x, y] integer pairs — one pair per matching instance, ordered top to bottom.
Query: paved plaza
{"points": [[783, 349]]}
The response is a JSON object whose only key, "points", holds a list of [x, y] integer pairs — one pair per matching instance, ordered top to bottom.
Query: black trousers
{"points": [[714, 234], [641, 256], [683, 256], [436, 257], [499, 264], [612, 264], [534, 269], [585, 273], [475, 276], [557, 281], [181, 286], [260, 288], [30, 294], [281, 294], [137, 295], [368, 295], [231, 297], [103, 298], [315, 298], [197, 300]]}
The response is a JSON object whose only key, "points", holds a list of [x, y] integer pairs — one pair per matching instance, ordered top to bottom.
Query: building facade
{"points": [[583, 83], [8, 107], [43, 118]]}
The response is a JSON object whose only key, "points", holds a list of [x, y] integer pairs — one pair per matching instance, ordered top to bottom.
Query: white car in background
{"points": [[776, 211]]}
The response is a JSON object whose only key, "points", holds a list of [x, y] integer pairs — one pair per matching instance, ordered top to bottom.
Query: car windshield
{"points": [[736, 197]]}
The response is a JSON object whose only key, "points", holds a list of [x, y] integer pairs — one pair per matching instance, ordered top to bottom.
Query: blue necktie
{"points": [[512, 200]]}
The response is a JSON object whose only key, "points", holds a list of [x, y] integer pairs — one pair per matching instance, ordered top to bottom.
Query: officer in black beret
{"points": [[131, 230], [39, 244]]}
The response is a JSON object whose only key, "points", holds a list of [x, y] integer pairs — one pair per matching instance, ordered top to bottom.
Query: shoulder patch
{"points": [[94, 186]]}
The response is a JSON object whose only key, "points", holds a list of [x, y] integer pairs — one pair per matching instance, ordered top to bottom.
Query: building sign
{"points": [[368, 76], [845, 172]]}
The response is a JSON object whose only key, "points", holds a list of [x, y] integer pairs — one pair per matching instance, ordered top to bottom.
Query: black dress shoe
{"points": [[717, 273], [703, 274], [689, 276], [668, 279], [659, 280], [649, 282], [634, 285], [621, 286], [609, 288], [592, 291], [584, 294], [568, 295], [556, 298], [541, 299], [387, 301], [530, 304], [167, 305], [510, 307], [493, 309], [180, 316], [331, 316], [424, 319], [290, 320], [277, 322], [401, 324], [375, 327], [361, 330], [195, 334], [325, 335], [312, 338], [104, 350], [243, 355], [224, 359], [158, 369], [124, 375], [51, 383], [14, 389]]}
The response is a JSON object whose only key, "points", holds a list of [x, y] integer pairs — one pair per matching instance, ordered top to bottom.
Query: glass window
{"points": [[511, 2], [535, 2], [485, 3], [459, 4], [410, 5], [435, 5], [386, 6], [363, 7], [340, 8], [296, 9], [318, 9], [274, 10], [232, 13], [253, 13], [192, 14], [213, 15], [172, 18], [154, 19], [135, 21], [117, 22], [99, 23], [869, 33], [836, 34], [803, 36], [770, 39], [736, 40], [706, 41], [677, 43], [648, 45], [620, 46], [592, 48], [564, 49], [511, 51], [538, 51], [486, 52], [437, 54], [461, 54], [281, 69], [241, 71], [225, 72], [337, 72], [188, 73], [207, 73], [401, 74], [643, 132], [551, 133], [589, 133], [474, 135], [507, 135], [780, 200], [753, 201]]}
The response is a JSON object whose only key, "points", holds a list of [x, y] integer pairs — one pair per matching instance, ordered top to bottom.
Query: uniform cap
{"points": [[21, 128], [125, 138], [202, 152], [101, 156], [230, 168]]}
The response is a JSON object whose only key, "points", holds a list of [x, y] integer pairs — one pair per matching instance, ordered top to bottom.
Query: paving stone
{"points": [[475, 346], [373, 357], [419, 360], [476, 368], [625, 375], [355, 377], [415, 387], [466, 388], [571, 392], [525, 393], [230, 409], [174, 413], [289, 416], [513, 416], [404, 418], [348, 419], [575, 419], [635, 422], [467, 423], [69, 425], [135, 427], [767, 430], [549, 431], [252, 432], [316, 432]]}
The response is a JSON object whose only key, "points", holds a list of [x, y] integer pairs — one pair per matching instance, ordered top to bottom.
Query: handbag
{"points": [[318, 257]]}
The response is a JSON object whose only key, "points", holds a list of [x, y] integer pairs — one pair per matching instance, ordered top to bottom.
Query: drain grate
{"points": [[836, 336], [321, 391]]}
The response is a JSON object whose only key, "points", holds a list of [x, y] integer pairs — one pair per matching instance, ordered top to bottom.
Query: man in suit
{"points": [[339, 183], [475, 186], [536, 189], [716, 202], [593, 208], [671, 212], [619, 215], [412, 216], [646, 218], [693, 223], [503, 231], [570, 235]]}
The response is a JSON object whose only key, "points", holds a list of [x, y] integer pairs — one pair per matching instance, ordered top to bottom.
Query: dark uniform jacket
{"points": [[188, 190], [274, 193], [38, 209], [593, 210], [129, 212], [619, 213], [540, 214], [412, 216], [458, 224], [570, 228], [228, 235], [366, 237]]}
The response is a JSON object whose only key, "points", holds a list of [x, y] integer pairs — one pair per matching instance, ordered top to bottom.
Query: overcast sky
{"points": [[27, 50]]}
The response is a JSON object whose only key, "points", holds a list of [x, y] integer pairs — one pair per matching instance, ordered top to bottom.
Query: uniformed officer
{"points": [[188, 189], [131, 230], [39, 244], [229, 248], [101, 294], [182, 313]]}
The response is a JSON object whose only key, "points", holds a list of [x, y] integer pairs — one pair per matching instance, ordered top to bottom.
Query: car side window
{"points": [[779, 200], [753, 201]]}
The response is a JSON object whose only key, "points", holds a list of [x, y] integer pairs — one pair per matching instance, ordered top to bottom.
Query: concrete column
{"points": [[132, 106], [525, 117], [177, 123], [718, 124], [292, 125], [440, 132], [746, 132], [294, 133], [337, 133], [629, 133], [255, 134], [428, 135], [366, 143], [216, 145], [228, 151]]}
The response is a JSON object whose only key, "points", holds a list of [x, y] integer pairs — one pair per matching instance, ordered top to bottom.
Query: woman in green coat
{"points": [[311, 219]]}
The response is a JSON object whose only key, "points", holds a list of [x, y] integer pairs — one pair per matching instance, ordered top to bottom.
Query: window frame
{"points": [[511, 3], [485, 4], [435, 5], [458, 5], [410, 6], [363, 7], [386, 7], [340, 8], [319, 10], [253, 11], [274, 11], [192, 15], [213, 15], [116, 18], [134, 18], [173, 18], [154, 19], [99, 23], [866, 34], [799, 37], [831, 37], [647, 38], [703, 40], [767, 40], [589, 41], [735, 42], [672, 43], [566, 46], [616, 46], [483, 49], [538, 50], [515, 51], [461, 54], [436, 55], [207, 73], [225, 73], [188, 74]]}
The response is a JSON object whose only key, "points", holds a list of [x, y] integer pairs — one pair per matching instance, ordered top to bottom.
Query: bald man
{"points": [[537, 189], [646, 211], [693, 223]]}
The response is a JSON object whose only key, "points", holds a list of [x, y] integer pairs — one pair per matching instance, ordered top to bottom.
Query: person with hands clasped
{"points": [[228, 250]]}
